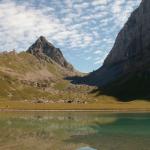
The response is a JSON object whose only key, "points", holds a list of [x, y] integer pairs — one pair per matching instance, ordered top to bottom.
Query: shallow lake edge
{"points": [[77, 110]]}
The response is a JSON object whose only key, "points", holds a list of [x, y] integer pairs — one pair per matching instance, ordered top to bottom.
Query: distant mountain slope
{"points": [[44, 49], [126, 70], [23, 72], [39, 77]]}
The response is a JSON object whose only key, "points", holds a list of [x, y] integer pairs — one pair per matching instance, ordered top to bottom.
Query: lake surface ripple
{"points": [[74, 131]]}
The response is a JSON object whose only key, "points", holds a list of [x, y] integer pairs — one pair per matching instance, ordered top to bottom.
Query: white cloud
{"points": [[99, 2], [117, 6], [121, 10], [18, 23], [22, 23], [82, 26], [88, 40], [97, 52], [88, 58], [100, 59], [98, 62]]}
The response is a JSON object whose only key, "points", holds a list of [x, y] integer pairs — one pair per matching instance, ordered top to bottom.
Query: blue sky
{"points": [[85, 30]]}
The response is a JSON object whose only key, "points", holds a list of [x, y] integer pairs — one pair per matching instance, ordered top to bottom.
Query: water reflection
{"points": [[74, 131], [86, 148]]}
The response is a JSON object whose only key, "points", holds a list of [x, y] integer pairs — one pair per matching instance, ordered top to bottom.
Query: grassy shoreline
{"points": [[134, 106], [71, 110]]}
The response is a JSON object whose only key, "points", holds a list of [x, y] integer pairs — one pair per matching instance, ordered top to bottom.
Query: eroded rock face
{"points": [[134, 39], [43, 49], [130, 55]]}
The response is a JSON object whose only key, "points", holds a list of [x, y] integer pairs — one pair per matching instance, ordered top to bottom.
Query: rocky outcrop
{"points": [[134, 39], [44, 50], [129, 58]]}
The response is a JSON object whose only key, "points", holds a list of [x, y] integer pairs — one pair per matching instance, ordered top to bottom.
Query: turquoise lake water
{"points": [[74, 131]]}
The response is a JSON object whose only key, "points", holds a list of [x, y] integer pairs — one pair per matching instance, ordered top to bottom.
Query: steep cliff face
{"points": [[134, 39], [43, 49], [127, 66]]}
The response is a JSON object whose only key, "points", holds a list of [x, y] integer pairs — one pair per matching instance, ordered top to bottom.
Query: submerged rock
{"points": [[86, 148]]}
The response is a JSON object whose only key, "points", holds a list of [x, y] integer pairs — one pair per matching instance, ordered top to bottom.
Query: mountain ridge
{"points": [[43, 49], [127, 65], [36, 77]]}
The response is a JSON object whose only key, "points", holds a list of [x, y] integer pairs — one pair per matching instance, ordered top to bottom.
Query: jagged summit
{"points": [[42, 38], [42, 47]]}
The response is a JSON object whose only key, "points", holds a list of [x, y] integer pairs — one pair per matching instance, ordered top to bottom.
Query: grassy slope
{"points": [[19, 72]]}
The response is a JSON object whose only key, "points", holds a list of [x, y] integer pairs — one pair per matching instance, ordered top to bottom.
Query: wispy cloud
{"points": [[99, 2], [24, 24], [83, 29]]}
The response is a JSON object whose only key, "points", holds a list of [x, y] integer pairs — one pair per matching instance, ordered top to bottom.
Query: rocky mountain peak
{"points": [[42, 38], [133, 39], [43, 41], [42, 47], [128, 64]]}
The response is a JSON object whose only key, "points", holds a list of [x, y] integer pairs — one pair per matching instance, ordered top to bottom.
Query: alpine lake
{"points": [[74, 131]]}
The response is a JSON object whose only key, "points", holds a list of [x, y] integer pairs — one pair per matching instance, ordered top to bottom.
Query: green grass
{"points": [[24, 62], [62, 85], [13, 93], [106, 106]]}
